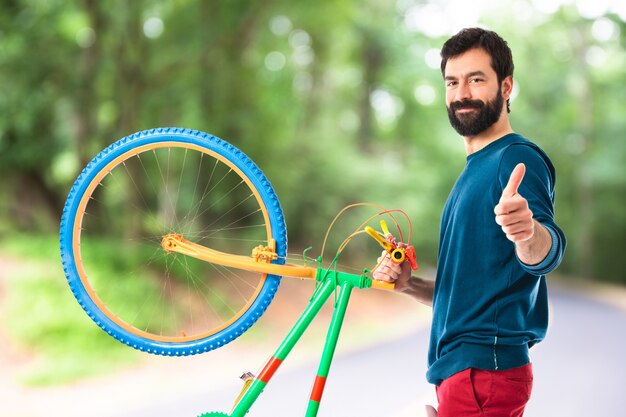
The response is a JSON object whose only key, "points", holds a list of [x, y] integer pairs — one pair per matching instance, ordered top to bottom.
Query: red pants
{"points": [[474, 392]]}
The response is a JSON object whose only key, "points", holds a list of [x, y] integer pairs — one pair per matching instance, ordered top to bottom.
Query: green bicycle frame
{"points": [[328, 282]]}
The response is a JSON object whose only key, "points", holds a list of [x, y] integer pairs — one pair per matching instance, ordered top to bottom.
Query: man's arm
{"points": [[400, 274], [419, 288]]}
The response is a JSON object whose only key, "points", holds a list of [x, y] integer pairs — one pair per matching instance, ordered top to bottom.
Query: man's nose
{"points": [[463, 92]]}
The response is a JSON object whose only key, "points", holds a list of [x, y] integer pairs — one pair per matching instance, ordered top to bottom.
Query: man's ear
{"points": [[507, 87]]}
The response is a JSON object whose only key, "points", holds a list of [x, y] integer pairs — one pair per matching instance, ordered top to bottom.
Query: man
{"points": [[498, 239]]}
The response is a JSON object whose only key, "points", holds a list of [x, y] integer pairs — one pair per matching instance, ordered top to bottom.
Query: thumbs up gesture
{"points": [[512, 212]]}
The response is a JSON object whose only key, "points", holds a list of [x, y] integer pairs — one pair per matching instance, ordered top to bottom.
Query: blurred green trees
{"points": [[337, 101]]}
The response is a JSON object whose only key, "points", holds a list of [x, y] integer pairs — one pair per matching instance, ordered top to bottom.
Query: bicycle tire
{"points": [[85, 247]]}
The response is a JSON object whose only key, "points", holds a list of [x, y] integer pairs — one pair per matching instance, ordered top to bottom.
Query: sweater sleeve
{"points": [[538, 188]]}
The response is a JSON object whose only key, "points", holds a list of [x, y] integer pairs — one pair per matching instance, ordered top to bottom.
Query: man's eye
{"points": [[476, 80], [451, 83]]}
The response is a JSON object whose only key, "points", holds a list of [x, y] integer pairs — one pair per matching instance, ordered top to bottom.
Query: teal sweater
{"points": [[488, 307]]}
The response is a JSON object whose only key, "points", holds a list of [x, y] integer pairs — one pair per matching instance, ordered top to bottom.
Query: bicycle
{"points": [[155, 242]]}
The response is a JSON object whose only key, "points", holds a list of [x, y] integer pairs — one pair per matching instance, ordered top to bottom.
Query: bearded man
{"points": [[498, 240]]}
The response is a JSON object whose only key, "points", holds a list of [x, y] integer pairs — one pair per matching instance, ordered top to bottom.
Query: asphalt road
{"points": [[579, 372]]}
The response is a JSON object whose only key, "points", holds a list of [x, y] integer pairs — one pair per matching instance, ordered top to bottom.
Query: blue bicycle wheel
{"points": [[144, 187]]}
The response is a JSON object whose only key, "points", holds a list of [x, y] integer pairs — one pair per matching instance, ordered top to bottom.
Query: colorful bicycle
{"points": [[173, 242]]}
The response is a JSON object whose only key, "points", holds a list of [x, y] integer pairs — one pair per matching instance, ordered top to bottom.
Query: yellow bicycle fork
{"points": [[260, 261]]}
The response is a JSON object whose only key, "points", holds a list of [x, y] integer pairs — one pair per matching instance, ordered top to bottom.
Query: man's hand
{"points": [[512, 212], [532, 240], [390, 271], [400, 274]]}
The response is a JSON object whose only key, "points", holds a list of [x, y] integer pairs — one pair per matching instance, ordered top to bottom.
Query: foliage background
{"points": [[338, 101]]}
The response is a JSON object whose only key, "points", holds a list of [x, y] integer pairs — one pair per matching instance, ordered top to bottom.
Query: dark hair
{"points": [[491, 42]]}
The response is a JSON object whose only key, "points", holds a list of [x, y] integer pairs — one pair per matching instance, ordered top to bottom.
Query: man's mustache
{"points": [[466, 104]]}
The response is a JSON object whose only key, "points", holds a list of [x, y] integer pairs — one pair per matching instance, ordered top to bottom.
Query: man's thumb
{"points": [[514, 181]]}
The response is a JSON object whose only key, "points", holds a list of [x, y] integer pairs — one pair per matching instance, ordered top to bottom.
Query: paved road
{"points": [[579, 372]]}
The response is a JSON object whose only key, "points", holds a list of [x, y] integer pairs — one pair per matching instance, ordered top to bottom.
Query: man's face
{"points": [[473, 95]]}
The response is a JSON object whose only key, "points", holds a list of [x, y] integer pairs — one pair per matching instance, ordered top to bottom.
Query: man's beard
{"points": [[473, 123]]}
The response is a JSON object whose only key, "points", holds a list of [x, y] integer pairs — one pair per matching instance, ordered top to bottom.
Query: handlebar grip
{"points": [[383, 285]]}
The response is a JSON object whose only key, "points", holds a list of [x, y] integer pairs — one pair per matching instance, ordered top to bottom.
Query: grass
{"points": [[41, 316]]}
